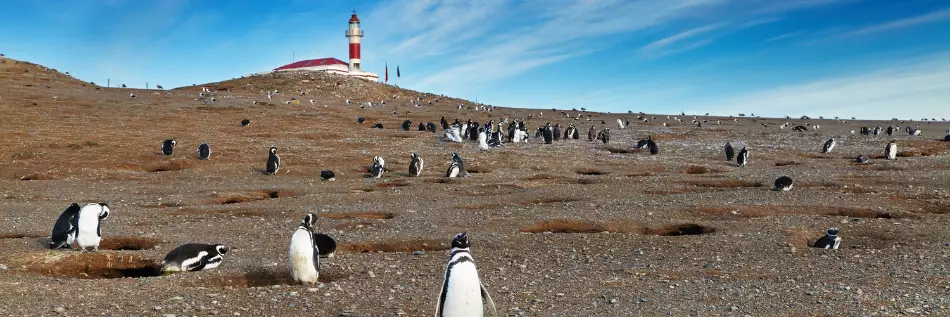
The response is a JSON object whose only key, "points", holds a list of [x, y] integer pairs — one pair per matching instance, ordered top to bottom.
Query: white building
{"points": [[336, 66]]}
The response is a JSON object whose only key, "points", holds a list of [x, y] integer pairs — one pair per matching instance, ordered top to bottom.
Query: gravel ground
{"points": [[682, 233]]}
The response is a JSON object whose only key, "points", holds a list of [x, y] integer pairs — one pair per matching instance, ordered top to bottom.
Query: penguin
{"points": [[360, 120], [245, 122], [445, 124], [620, 124], [406, 125], [377, 126], [422, 127], [430, 127], [890, 130], [877, 131], [557, 132], [569, 132], [548, 134], [576, 134], [591, 134], [605, 135], [946, 138], [482, 140], [642, 144], [829, 145], [168, 146], [654, 148], [891, 150], [204, 151], [730, 152], [743, 157], [458, 159], [862, 159], [273, 162], [378, 164], [415, 165], [454, 170], [328, 175], [783, 183], [88, 225], [64, 229], [831, 240], [305, 253], [192, 257], [462, 292]]}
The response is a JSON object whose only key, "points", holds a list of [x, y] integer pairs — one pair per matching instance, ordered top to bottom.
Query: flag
{"points": [[397, 70], [387, 72]]}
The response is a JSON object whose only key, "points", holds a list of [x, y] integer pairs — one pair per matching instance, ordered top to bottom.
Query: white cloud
{"points": [[898, 24], [678, 37], [914, 88]]}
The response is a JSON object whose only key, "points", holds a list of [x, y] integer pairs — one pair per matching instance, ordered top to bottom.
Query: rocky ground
{"points": [[576, 228]]}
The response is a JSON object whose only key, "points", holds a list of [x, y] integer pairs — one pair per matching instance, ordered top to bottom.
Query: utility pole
{"points": [[108, 83], [146, 85]]}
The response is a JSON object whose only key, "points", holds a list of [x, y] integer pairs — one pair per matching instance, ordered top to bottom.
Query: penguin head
{"points": [[273, 150], [414, 156], [377, 160], [308, 220], [832, 232], [460, 241], [221, 248]]}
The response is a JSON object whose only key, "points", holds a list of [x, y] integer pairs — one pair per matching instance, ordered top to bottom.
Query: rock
{"points": [[418, 253], [3, 267], [371, 274], [312, 289], [157, 308], [60, 309], [168, 315]]}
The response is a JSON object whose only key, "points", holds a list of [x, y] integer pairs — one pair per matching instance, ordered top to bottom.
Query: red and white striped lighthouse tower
{"points": [[354, 34]]}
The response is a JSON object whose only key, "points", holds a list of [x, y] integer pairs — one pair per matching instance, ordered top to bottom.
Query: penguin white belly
{"points": [[88, 234], [301, 258], [214, 262], [463, 296]]}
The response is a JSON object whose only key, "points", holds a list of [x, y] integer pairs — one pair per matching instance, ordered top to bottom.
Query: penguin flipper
{"points": [[488, 300], [438, 302]]}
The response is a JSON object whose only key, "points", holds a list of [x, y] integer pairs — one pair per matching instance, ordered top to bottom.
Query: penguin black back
{"points": [[245, 122], [406, 125], [422, 127], [430, 127], [168, 146], [654, 148], [204, 151], [730, 152], [743, 157], [273, 161], [328, 175], [783, 183], [64, 229], [831, 240]]}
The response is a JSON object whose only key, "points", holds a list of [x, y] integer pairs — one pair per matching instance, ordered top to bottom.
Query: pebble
{"points": [[418, 253], [3, 267], [371, 274], [312, 289], [157, 308], [60, 309], [168, 315]]}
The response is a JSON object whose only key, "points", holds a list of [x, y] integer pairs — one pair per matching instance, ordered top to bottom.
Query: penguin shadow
{"points": [[263, 277]]}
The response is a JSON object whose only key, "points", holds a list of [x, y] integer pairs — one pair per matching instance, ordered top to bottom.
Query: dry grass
{"points": [[816, 156], [787, 163], [171, 165], [478, 169], [696, 169], [591, 171], [722, 183], [393, 184], [547, 201], [747, 211], [357, 215], [354, 225], [22, 235], [395, 246], [94, 265]]}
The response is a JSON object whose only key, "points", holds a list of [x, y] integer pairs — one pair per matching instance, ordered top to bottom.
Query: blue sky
{"points": [[864, 58]]}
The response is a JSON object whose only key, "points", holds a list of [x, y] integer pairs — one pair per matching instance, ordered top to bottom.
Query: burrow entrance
{"points": [[580, 226], [95, 265]]}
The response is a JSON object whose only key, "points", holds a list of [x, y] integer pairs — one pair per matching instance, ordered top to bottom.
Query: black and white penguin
{"points": [[360, 120], [245, 122], [445, 124], [406, 125], [377, 126], [422, 126], [430, 127], [890, 130], [877, 131], [557, 132], [569, 132], [548, 134], [591, 134], [605, 135], [482, 139], [642, 144], [829, 145], [168, 146], [654, 148], [891, 150], [204, 151], [730, 152], [743, 157], [458, 159], [862, 159], [273, 162], [378, 165], [415, 165], [454, 170], [328, 175], [783, 183], [89, 225], [64, 229], [831, 240], [305, 253], [192, 257], [462, 293]]}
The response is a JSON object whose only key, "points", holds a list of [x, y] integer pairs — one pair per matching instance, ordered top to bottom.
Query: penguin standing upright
{"points": [[443, 123], [620, 124], [406, 125], [422, 126], [890, 130], [557, 132], [569, 132], [548, 134], [591, 134], [605, 135], [482, 140], [643, 144], [829, 145], [168, 146], [654, 148], [891, 150], [204, 151], [730, 152], [743, 157], [458, 160], [273, 162], [415, 166], [377, 170], [453, 170], [783, 183], [88, 225], [64, 229], [831, 240], [305, 253], [194, 257], [462, 292]]}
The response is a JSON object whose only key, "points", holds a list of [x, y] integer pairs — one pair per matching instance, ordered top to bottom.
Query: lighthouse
{"points": [[354, 34], [335, 66]]}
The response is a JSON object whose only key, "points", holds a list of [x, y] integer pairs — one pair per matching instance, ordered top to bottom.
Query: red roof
{"points": [[354, 18], [313, 62]]}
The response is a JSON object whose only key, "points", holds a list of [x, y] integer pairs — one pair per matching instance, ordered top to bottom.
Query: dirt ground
{"points": [[575, 228]]}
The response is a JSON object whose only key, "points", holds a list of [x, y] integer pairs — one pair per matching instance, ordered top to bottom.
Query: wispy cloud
{"points": [[898, 24], [783, 36], [678, 37], [914, 88]]}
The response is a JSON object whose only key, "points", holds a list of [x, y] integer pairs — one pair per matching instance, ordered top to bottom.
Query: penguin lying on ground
{"points": [[783, 183], [831, 240], [194, 257]]}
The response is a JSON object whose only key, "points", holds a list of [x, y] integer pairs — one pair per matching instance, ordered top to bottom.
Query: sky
{"points": [[876, 59]]}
